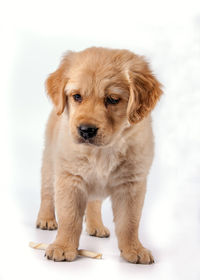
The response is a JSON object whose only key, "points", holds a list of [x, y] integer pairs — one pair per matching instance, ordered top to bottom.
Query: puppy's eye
{"points": [[77, 97], [111, 100]]}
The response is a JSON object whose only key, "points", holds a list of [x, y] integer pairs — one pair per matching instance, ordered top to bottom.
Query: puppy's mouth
{"points": [[90, 141]]}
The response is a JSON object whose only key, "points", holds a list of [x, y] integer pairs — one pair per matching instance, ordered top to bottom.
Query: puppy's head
{"points": [[102, 90]]}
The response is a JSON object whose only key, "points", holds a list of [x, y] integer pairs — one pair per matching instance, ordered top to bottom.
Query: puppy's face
{"points": [[103, 91], [97, 107]]}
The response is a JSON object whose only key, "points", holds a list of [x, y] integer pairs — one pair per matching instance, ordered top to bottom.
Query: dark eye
{"points": [[77, 97], [111, 100]]}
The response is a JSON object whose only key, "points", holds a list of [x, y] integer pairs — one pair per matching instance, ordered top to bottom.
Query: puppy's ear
{"points": [[55, 85], [145, 91]]}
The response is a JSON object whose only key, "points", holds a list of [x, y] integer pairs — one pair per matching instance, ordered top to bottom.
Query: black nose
{"points": [[87, 131]]}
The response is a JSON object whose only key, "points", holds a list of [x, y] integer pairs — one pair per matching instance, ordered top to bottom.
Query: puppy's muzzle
{"points": [[87, 131]]}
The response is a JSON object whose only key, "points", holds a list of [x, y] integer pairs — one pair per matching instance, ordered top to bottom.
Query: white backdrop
{"points": [[34, 35]]}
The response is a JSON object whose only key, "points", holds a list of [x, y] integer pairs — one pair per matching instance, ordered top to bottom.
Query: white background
{"points": [[34, 35]]}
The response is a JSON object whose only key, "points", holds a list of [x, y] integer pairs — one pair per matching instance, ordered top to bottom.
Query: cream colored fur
{"points": [[77, 176]]}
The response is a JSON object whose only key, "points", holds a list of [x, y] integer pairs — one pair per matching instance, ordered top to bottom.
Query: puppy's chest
{"points": [[98, 168]]}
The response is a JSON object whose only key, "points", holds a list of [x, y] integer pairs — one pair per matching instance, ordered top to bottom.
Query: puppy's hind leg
{"points": [[46, 216], [94, 223]]}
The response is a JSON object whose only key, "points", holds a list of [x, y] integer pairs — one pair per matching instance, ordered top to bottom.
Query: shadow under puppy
{"points": [[99, 143]]}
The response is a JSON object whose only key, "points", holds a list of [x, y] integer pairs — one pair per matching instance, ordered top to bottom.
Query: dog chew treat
{"points": [[85, 253]]}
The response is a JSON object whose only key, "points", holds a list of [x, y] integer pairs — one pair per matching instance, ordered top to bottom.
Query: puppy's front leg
{"points": [[70, 202], [127, 203]]}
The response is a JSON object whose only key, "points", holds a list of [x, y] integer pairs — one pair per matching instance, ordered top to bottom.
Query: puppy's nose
{"points": [[87, 131]]}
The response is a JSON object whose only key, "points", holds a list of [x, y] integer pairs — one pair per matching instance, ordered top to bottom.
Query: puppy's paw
{"points": [[47, 224], [98, 231], [60, 253], [138, 256]]}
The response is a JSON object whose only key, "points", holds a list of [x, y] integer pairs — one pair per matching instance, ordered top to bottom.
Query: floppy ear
{"points": [[55, 83], [145, 91]]}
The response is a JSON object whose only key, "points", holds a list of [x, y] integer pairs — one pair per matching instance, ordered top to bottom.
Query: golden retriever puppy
{"points": [[99, 143]]}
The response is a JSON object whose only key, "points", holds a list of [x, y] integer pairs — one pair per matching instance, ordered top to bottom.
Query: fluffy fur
{"points": [[77, 173]]}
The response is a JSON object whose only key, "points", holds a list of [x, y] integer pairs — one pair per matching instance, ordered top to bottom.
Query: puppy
{"points": [[99, 143]]}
